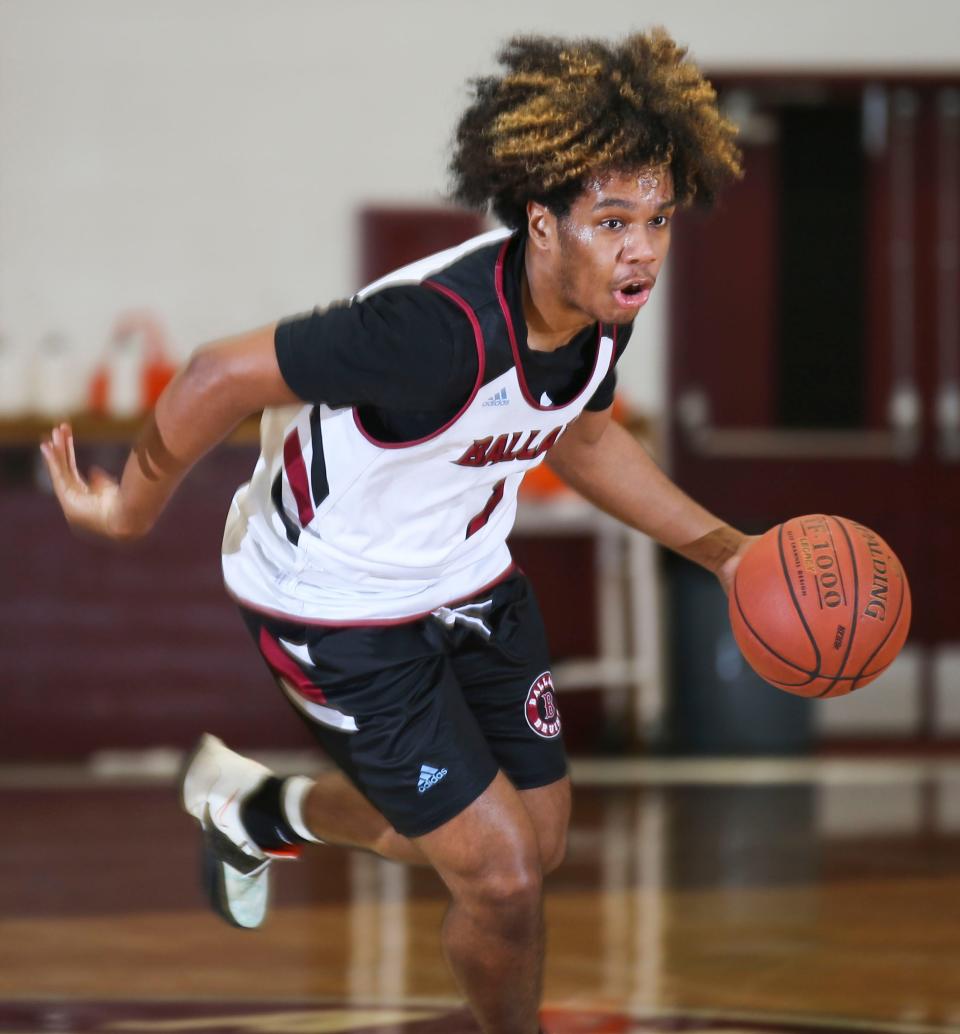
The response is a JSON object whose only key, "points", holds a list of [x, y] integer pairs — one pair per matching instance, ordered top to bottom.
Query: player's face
{"points": [[613, 242]]}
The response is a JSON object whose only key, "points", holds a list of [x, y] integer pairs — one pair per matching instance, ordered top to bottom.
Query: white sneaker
{"points": [[236, 872]]}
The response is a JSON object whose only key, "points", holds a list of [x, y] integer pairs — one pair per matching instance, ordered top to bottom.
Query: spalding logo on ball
{"points": [[820, 606]]}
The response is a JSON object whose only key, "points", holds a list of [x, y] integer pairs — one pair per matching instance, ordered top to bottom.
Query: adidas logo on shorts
{"points": [[429, 777]]}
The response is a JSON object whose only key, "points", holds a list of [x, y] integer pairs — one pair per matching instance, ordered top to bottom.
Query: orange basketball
{"points": [[820, 606]]}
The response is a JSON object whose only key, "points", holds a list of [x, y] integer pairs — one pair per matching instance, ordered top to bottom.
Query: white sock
{"points": [[294, 793]]}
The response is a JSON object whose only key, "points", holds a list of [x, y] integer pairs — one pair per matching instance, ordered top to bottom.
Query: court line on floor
{"points": [[160, 767]]}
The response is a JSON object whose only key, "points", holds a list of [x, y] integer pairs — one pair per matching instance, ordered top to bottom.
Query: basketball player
{"points": [[367, 552]]}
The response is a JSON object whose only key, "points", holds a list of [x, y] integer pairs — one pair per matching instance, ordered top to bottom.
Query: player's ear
{"points": [[541, 225]]}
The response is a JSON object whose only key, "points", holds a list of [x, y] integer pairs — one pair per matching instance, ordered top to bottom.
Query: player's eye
{"points": [[660, 221], [613, 224]]}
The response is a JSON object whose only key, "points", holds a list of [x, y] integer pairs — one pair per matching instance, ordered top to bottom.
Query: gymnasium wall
{"points": [[206, 160]]}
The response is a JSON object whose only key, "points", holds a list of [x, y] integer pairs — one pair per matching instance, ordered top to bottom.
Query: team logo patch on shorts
{"points": [[542, 713]]}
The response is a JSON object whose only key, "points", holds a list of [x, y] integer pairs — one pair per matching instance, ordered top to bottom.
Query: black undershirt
{"points": [[407, 357]]}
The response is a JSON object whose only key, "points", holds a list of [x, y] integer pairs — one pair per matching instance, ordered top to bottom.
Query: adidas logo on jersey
{"points": [[498, 399], [429, 777]]}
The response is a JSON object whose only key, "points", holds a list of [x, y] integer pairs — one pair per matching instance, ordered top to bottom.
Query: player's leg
{"points": [[504, 668], [384, 705], [395, 720], [420, 758], [549, 811], [335, 812], [249, 817], [488, 856], [493, 932]]}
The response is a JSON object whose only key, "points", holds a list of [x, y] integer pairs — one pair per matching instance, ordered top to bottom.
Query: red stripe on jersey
{"points": [[297, 476], [283, 664]]}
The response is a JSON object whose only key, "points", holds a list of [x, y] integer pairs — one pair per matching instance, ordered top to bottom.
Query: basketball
{"points": [[820, 606]]}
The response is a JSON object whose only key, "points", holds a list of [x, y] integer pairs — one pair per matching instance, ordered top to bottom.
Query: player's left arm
{"points": [[602, 461]]}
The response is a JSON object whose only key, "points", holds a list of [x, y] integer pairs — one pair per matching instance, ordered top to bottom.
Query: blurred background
{"points": [[171, 173]]}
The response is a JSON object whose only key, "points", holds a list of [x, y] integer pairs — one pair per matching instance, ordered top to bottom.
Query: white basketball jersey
{"points": [[336, 527]]}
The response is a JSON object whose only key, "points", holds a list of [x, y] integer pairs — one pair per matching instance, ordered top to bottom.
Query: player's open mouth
{"points": [[634, 293]]}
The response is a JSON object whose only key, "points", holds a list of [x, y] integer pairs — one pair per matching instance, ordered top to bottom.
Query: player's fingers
{"points": [[56, 445], [71, 450], [46, 451], [51, 451], [51, 458], [66, 462], [60, 469], [67, 485]]}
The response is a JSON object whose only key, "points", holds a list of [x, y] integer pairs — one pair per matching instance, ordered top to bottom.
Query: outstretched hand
{"points": [[93, 505], [729, 567]]}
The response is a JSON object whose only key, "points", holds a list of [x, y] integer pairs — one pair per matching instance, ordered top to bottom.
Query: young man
{"points": [[368, 551]]}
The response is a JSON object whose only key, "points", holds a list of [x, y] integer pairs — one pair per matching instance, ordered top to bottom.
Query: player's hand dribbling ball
{"points": [[820, 606]]}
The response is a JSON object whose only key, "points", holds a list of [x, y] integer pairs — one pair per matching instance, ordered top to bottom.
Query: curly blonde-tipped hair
{"points": [[565, 111]]}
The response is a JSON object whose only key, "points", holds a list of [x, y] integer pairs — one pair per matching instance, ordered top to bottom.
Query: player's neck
{"points": [[551, 322]]}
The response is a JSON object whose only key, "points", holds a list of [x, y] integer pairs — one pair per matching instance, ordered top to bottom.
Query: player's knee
{"points": [[553, 850], [509, 894]]}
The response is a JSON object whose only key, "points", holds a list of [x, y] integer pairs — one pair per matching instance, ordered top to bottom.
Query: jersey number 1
{"points": [[477, 522]]}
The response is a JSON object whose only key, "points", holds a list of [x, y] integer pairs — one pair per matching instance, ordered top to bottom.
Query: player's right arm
{"points": [[407, 348], [220, 385]]}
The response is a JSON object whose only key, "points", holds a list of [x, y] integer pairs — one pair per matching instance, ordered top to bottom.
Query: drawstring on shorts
{"points": [[470, 615]]}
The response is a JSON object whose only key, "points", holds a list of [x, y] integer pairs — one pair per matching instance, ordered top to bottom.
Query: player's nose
{"points": [[638, 248]]}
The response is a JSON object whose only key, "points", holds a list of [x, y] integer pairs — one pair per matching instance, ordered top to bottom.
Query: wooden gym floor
{"points": [[729, 896]]}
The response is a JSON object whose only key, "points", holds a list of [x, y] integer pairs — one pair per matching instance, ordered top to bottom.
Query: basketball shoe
{"points": [[236, 872]]}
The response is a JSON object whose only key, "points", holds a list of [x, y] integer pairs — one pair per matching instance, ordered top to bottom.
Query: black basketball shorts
{"points": [[421, 715]]}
